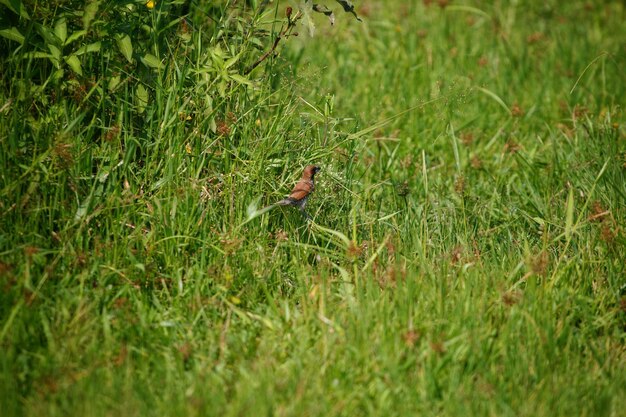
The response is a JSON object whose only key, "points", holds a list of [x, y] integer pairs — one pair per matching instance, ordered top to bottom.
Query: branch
{"points": [[286, 32]]}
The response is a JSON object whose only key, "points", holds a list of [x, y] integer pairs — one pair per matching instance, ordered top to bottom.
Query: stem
{"points": [[291, 23]]}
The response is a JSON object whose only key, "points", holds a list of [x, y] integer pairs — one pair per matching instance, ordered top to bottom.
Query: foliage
{"points": [[466, 253]]}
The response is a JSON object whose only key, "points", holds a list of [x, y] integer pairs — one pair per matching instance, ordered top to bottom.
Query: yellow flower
{"points": [[150, 4]]}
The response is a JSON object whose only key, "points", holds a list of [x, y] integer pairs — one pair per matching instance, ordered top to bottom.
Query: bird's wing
{"points": [[300, 191]]}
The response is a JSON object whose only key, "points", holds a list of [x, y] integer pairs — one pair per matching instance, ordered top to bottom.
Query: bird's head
{"points": [[310, 171]]}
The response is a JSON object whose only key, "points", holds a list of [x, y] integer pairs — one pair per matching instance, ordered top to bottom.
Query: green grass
{"points": [[466, 257]]}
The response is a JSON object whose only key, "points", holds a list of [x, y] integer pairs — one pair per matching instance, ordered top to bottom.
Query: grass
{"points": [[466, 257]]}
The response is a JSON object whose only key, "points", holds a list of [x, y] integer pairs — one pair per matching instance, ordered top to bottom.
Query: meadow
{"points": [[466, 254]]}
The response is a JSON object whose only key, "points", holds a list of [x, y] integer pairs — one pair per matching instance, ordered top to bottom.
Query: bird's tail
{"points": [[283, 202]]}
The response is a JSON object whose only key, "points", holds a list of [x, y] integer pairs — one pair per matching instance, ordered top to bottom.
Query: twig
{"points": [[291, 23]]}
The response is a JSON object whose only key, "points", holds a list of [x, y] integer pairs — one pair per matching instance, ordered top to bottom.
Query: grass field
{"points": [[467, 249]]}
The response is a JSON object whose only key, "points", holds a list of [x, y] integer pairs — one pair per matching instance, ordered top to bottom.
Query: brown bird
{"points": [[301, 192]]}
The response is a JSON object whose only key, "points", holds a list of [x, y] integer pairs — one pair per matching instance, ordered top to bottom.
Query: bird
{"points": [[302, 190]]}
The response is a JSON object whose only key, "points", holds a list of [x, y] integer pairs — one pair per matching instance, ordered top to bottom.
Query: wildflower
{"points": [[150, 4], [516, 110], [223, 128], [410, 338]]}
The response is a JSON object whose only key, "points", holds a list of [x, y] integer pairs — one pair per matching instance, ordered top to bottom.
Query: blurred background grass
{"points": [[466, 256]]}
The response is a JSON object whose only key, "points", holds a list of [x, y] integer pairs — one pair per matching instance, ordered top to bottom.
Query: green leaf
{"points": [[17, 7], [469, 9], [90, 13], [60, 29], [12, 34], [48, 35], [74, 36], [257, 42], [126, 47], [85, 49], [217, 52], [38, 54], [56, 54], [217, 56], [151, 61], [232, 61], [74, 63], [58, 75], [240, 79], [114, 82], [221, 88], [495, 97], [141, 98], [81, 211], [569, 216], [343, 238], [372, 258]]}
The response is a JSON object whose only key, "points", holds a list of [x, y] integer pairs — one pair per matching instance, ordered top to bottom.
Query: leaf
{"points": [[16, 7], [348, 7], [320, 8], [469, 9], [90, 13], [60, 29], [12, 34], [48, 35], [74, 36], [257, 42], [126, 47], [85, 49], [56, 53], [38, 54], [603, 54], [217, 57], [151, 61], [231, 61], [74, 63], [58, 75], [240, 79], [114, 82], [221, 88], [495, 97], [141, 98], [381, 123], [455, 149], [82, 209], [569, 214], [343, 238], [372, 258]]}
